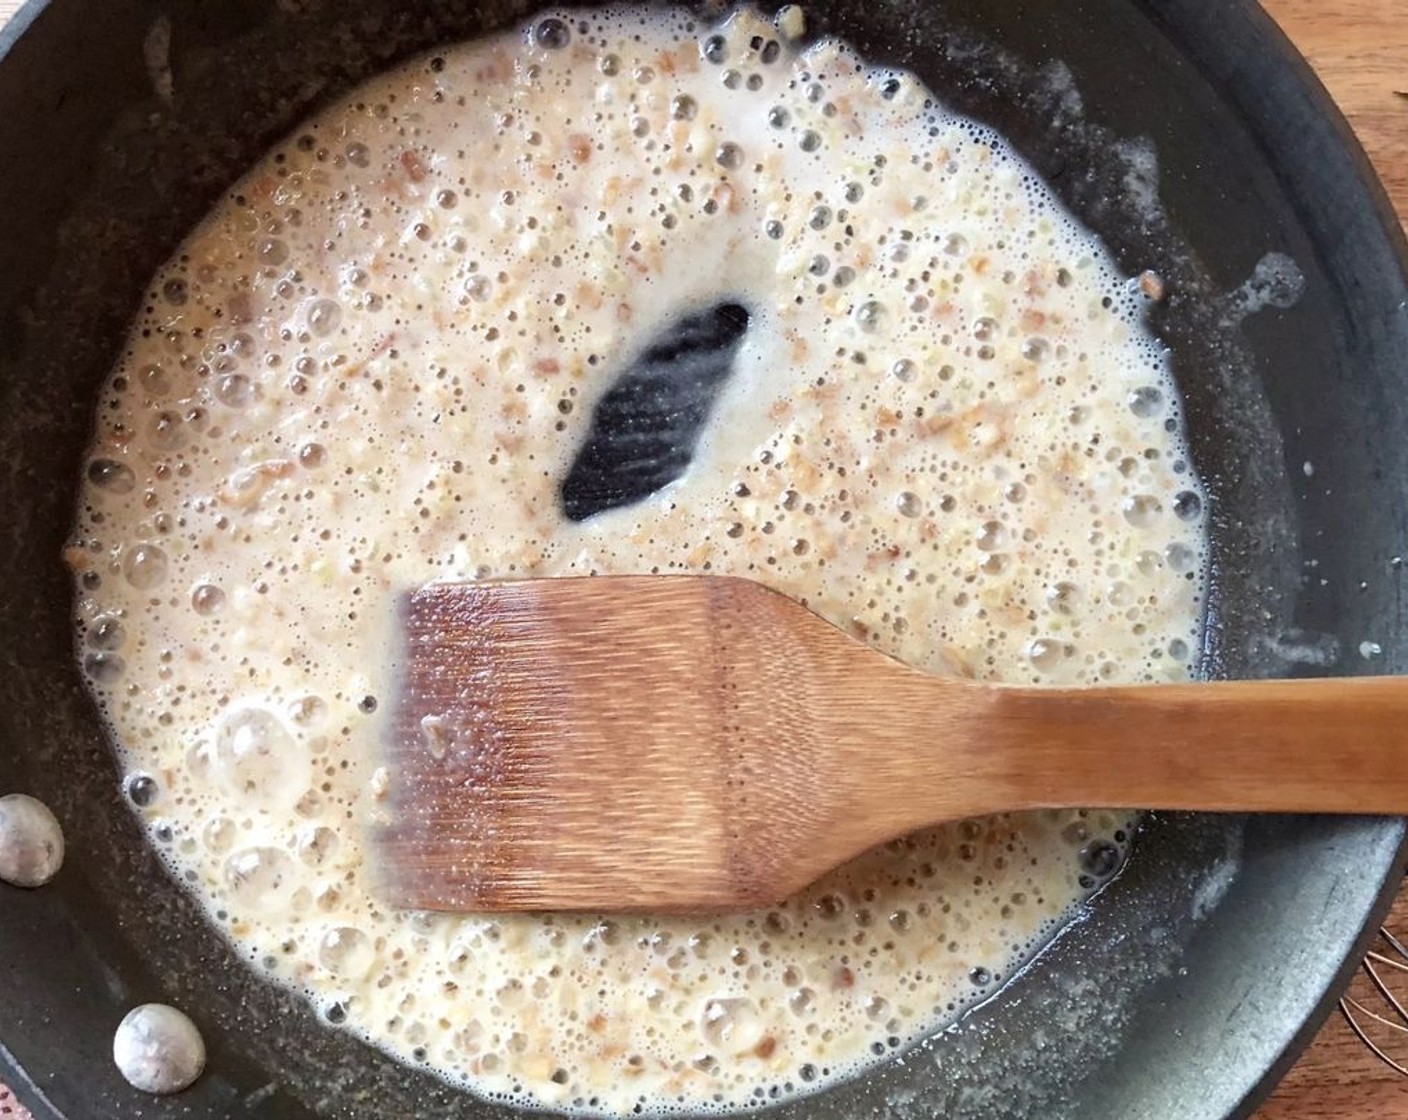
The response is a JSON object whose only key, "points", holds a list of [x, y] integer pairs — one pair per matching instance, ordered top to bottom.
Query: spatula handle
{"points": [[1322, 745]]}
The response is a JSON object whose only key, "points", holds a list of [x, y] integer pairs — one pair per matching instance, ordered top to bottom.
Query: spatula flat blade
{"points": [[519, 758]]}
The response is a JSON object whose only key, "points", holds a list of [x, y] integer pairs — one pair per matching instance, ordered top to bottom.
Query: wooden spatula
{"points": [[696, 743]]}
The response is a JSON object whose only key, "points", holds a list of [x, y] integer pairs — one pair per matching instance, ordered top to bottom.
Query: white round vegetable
{"points": [[31, 841], [158, 1049]]}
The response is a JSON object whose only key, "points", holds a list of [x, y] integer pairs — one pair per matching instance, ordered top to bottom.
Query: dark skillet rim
{"points": [[1291, 81], [1300, 1041]]}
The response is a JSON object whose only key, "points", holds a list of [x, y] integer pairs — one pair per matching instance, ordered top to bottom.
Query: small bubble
{"points": [[552, 33], [714, 49], [610, 65], [683, 107], [778, 117], [809, 141], [358, 154], [729, 155], [446, 200], [774, 230], [271, 251], [819, 265], [478, 287], [174, 291], [870, 316], [324, 317], [1036, 349], [904, 370], [154, 380], [234, 390], [1146, 402], [166, 432], [312, 455], [112, 476], [908, 504], [1187, 506], [1142, 510], [990, 536], [1180, 557], [1148, 562], [145, 566], [207, 599], [106, 632], [1044, 654], [104, 668], [367, 704], [307, 711], [142, 790], [317, 845], [1100, 858], [260, 878], [346, 952], [980, 977], [729, 1021]]}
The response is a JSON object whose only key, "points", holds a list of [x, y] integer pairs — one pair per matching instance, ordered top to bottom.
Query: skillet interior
{"points": [[101, 180]]}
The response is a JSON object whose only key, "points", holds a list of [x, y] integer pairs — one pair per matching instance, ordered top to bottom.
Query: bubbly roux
{"points": [[947, 429]]}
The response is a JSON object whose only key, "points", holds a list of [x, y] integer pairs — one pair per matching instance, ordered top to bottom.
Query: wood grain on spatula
{"points": [[695, 743]]}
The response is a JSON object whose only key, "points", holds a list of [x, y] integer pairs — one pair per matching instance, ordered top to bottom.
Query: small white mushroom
{"points": [[31, 841], [158, 1049]]}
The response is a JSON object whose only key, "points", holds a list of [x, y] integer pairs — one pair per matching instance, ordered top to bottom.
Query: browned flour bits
{"points": [[945, 427]]}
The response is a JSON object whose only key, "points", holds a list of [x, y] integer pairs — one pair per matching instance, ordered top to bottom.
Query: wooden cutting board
{"points": [[1360, 50]]}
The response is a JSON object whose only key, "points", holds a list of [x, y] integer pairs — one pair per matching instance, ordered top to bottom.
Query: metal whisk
{"points": [[1387, 957]]}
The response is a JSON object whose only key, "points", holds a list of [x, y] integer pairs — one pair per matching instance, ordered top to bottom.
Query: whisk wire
{"points": [[1356, 1013]]}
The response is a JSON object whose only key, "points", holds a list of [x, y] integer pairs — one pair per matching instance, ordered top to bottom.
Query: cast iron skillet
{"points": [[1191, 981]]}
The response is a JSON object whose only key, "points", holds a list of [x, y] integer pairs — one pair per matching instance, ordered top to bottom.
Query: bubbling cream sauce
{"points": [[947, 430]]}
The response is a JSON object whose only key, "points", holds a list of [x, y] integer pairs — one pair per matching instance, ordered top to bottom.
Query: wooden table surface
{"points": [[1360, 50]]}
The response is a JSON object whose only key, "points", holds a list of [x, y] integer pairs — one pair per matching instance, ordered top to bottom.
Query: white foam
{"points": [[1276, 281], [947, 430]]}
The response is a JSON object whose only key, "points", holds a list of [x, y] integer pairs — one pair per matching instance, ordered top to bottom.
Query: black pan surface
{"points": [[1187, 133]]}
